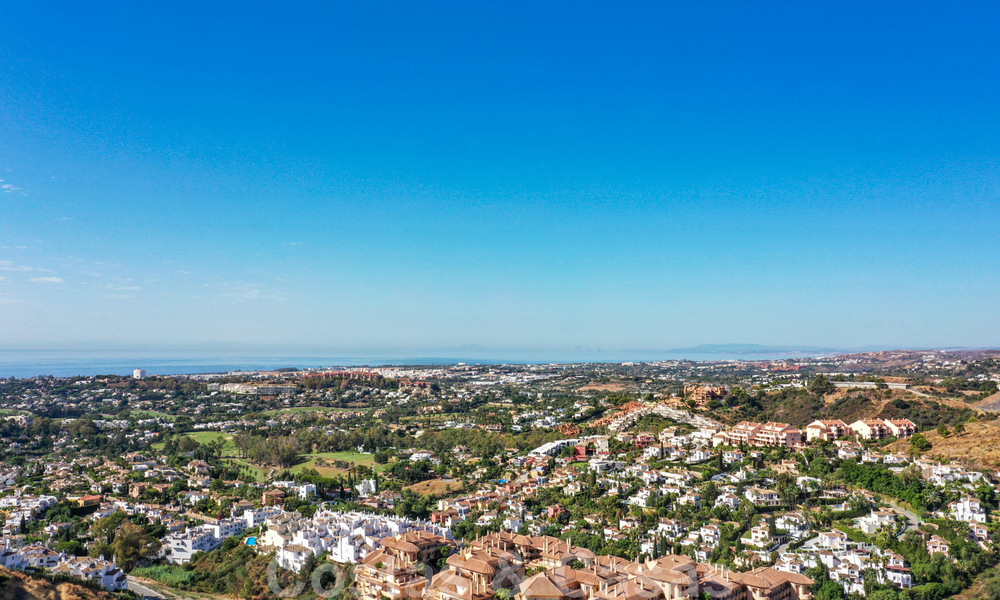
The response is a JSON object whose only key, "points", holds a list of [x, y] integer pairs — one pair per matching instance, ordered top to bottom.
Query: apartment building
{"points": [[901, 427], [870, 429], [827, 431], [770, 434], [778, 434], [347, 537], [180, 547], [396, 570], [667, 578]]}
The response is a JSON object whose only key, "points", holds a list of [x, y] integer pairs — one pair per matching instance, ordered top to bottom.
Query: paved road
{"points": [[913, 521], [142, 590]]}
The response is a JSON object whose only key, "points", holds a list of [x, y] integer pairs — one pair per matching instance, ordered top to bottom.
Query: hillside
{"points": [[990, 403], [799, 407], [975, 447], [233, 570], [17, 586]]}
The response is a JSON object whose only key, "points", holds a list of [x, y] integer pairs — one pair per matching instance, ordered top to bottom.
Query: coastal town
{"points": [[854, 476]]}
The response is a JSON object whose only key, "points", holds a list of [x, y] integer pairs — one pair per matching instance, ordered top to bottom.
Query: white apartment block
{"points": [[347, 537], [180, 547]]}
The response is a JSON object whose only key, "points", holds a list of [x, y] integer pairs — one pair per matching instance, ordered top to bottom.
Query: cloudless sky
{"points": [[511, 174]]}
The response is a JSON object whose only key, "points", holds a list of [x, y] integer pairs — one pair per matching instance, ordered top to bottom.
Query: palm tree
{"points": [[933, 500]]}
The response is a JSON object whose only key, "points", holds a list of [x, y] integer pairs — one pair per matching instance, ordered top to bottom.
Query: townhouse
{"points": [[762, 497], [967, 509], [936, 544], [103, 572]]}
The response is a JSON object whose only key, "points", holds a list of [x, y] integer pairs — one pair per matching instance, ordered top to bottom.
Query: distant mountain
{"points": [[756, 349], [705, 352]]}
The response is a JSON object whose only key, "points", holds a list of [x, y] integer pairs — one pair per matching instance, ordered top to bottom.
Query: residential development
{"points": [[674, 480]]}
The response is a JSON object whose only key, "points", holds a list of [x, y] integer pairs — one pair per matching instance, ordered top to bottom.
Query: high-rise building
{"points": [[138, 373]]}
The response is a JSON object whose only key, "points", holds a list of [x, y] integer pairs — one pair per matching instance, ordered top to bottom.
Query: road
{"points": [[913, 521], [808, 543], [145, 592]]}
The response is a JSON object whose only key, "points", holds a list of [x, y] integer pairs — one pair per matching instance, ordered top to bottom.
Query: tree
{"points": [[821, 385], [942, 430], [919, 442], [187, 445], [933, 499], [104, 529], [133, 545], [72, 547], [443, 553], [309, 565], [992, 588], [830, 590]]}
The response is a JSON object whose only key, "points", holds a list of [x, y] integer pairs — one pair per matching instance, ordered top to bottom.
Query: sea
{"points": [[34, 363], [70, 363]]}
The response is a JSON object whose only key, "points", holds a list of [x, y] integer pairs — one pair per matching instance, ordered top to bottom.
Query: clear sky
{"points": [[516, 175]]}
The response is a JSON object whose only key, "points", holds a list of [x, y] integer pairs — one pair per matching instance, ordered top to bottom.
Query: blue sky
{"points": [[368, 175]]}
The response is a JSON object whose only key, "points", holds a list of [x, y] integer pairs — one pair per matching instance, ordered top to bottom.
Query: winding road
{"points": [[913, 521], [137, 587]]}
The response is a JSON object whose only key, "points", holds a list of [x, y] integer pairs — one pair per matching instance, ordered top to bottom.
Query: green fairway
{"points": [[306, 409], [150, 414], [204, 437], [323, 462], [259, 473]]}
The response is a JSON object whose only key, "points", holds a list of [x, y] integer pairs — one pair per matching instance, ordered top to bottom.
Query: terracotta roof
{"points": [[539, 586]]}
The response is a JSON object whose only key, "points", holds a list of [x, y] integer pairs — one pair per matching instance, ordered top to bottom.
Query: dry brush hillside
{"points": [[978, 446], [18, 586]]}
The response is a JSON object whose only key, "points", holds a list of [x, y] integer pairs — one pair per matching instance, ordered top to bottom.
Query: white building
{"points": [[366, 488], [967, 509], [257, 516], [224, 528], [347, 537], [180, 547], [293, 556], [106, 573]]}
